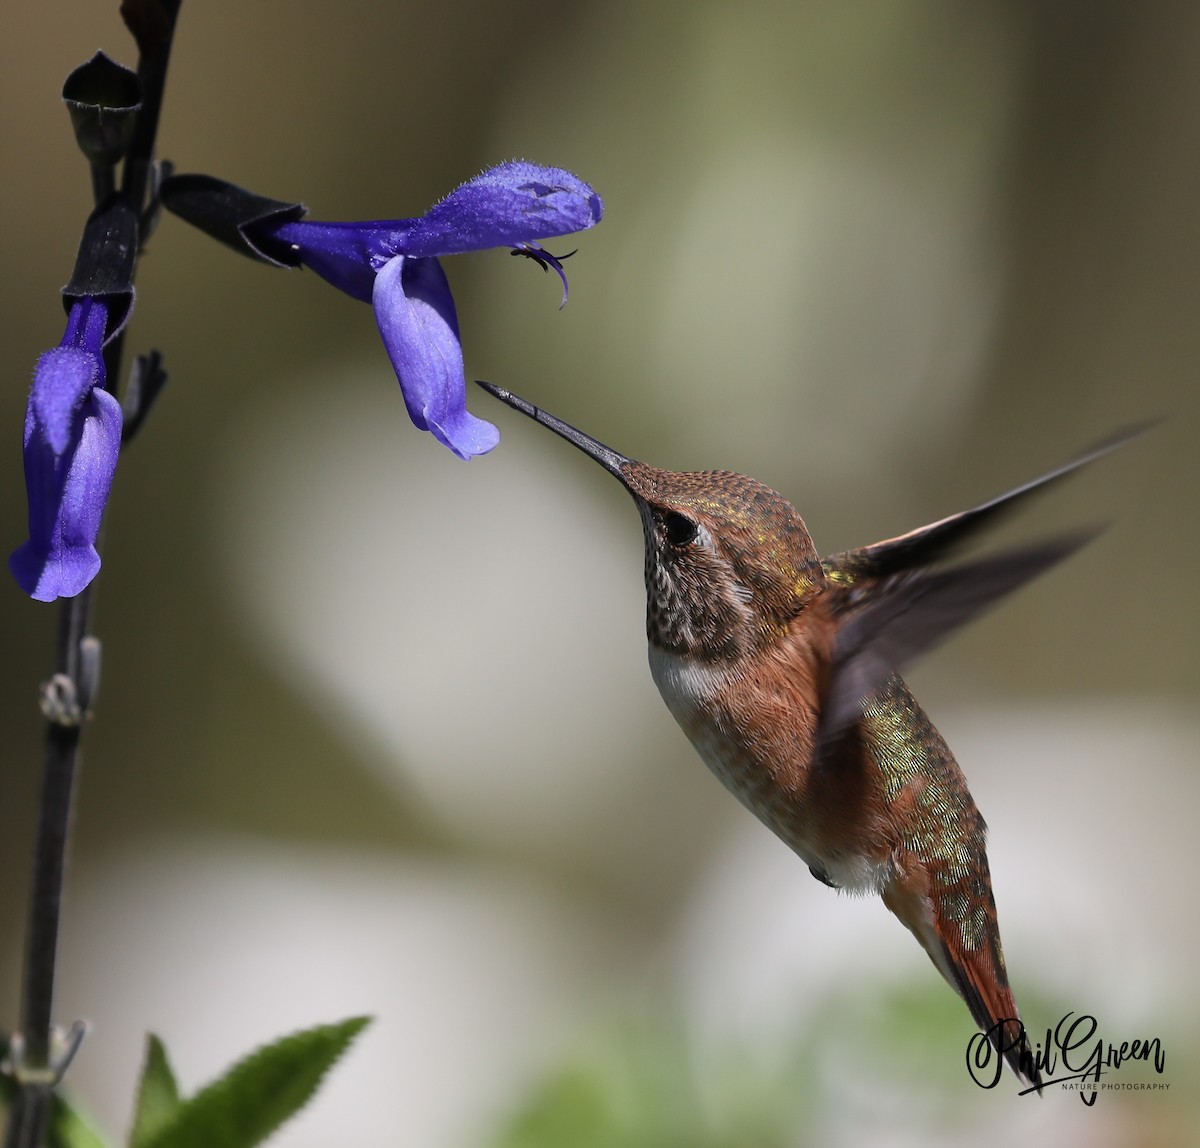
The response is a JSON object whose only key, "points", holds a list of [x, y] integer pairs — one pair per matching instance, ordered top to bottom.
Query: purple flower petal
{"points": [[505, 206], [344, 254], [393, 263], [415, 313], [66, 375], [64, 378], [72, 439], [67, 494]]}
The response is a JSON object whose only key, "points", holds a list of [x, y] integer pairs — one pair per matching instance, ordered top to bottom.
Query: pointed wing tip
{"points": [[928, 545]]}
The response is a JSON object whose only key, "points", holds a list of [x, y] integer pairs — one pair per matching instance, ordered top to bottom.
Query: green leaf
{"points": [[257, 1094], [158, 1095], [69, 1130]]}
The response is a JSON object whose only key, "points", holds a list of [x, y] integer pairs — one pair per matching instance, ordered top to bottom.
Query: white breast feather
{"points": [[685, 685]]}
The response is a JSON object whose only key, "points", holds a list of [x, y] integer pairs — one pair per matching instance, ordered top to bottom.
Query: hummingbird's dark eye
{"points": [[680, 530]]}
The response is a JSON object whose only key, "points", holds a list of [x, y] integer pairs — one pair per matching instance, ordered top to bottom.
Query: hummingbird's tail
{"points": [[974, 970], [992, 1004]]}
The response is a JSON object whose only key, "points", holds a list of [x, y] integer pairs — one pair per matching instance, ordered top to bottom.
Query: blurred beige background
{"points": [[376, 732]]}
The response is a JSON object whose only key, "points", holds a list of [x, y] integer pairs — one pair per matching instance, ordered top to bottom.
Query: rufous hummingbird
{"points": [[780, 666]]}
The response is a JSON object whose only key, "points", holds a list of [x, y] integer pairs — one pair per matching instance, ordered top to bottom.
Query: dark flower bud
{"points": [[151, 23], [103, 99], [233, 216], [104, 264]]}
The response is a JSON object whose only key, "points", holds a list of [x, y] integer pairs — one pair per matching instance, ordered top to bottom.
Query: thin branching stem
{"points": [[66, 699]]}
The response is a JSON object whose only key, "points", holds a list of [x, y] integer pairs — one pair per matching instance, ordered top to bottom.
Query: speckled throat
{"points": [[739, 581], [687, 617]]}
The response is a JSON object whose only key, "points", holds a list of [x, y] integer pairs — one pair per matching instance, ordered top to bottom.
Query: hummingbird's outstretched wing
{"points": [[929, 544], [884, 623]]}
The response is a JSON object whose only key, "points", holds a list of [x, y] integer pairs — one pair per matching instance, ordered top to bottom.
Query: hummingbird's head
{"points": [[729, 561]]}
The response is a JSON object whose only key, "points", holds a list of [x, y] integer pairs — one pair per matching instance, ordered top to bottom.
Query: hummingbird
{"points": [[781, 668]]}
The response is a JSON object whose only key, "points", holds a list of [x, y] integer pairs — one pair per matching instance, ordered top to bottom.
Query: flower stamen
{"points": [[545, 260]]}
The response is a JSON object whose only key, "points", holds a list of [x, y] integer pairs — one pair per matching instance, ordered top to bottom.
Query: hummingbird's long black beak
{"points": [[604, 455]]}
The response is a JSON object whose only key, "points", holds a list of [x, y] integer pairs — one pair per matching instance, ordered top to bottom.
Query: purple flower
{"points": [[393, 265], [72, 439]]}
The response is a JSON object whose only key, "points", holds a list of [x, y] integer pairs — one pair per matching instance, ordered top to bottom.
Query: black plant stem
{"points": [[154, 36], [103, 181], [65, 700], [62, 757], [36, 1064], [36, 1071]]}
